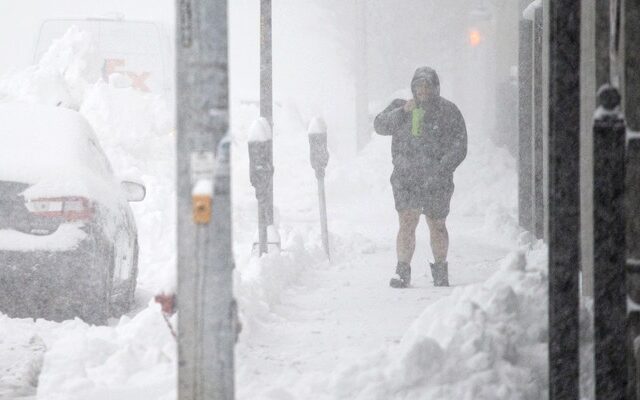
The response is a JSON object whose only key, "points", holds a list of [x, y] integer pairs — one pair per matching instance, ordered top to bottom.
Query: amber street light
{"points": [[475, 37]]}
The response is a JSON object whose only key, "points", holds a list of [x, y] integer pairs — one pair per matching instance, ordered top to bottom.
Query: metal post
{"points": [[628, 13], [631, 16], [603, 38], [266, 88], [525, 108], [363, 130], [538, 158], [319, 160], [261, 174], [564, 198], [632, 210], [609, 246], [207, 316]]}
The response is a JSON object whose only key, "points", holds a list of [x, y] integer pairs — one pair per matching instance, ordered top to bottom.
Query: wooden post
{"points": [[564, 198]]}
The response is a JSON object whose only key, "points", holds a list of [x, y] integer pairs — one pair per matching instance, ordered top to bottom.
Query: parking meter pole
{"points": [[319, 155], [322, 201], [610, 296], [207, 320]]}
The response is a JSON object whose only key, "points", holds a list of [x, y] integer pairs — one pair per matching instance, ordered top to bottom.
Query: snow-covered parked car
{"points": [[68, 239]]}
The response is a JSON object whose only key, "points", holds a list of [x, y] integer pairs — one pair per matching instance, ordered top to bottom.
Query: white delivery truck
{"points": [[139, 50]]}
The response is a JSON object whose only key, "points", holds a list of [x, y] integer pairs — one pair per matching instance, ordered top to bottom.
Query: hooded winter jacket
{"points": [[433, 155]]}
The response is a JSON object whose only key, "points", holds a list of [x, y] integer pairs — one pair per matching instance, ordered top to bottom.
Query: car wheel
{"points": [[125, 276], [96, 300]]}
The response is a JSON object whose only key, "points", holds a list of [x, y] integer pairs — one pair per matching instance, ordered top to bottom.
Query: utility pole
{"points": [[266, 91], [564, 198], [207, 318]]}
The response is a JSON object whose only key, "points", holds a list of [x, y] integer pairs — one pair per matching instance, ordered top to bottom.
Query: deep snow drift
{"points": [[485, 340]]}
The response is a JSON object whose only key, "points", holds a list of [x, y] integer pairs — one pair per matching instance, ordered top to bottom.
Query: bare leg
{"points": [[439, 239], [406, 241]]}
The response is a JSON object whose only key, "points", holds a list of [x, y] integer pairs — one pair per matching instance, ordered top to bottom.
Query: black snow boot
{"points": [[440, 273], [402, 278]]}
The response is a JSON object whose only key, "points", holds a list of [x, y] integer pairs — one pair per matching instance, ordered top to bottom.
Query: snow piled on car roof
{"points": [[61, 77], [40, 143]]}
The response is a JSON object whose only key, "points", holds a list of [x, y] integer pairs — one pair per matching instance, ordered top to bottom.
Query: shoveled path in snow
{"points": [[336, 315]]}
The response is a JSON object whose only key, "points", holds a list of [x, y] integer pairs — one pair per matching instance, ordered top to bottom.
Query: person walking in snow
{"points": [[429, 141]]}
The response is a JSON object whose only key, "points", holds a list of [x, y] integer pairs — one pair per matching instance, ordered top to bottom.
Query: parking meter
{"points": [[318, 146], [319, 159], [261, 173]]}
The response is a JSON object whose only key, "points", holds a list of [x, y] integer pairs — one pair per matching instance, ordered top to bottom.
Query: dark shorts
{"points": [[432, 199]]}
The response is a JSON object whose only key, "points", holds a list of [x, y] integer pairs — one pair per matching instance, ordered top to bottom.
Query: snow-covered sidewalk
{"points": [[332, 315], [336, 315]]}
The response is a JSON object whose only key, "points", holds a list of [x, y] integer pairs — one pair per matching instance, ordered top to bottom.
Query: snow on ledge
{"points": [[530, 12], [317, 125], [260, 131], [67, 237]]}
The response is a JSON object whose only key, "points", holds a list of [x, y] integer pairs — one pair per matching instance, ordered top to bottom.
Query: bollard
{"points": [[319, 159], [261, 174], [609, 246]]}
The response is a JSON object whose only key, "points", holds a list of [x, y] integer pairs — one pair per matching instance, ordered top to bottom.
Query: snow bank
{"points": [[62, 76], [485, 184], [260, 282], [484, 341], [136, 359], [20, 364]]}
